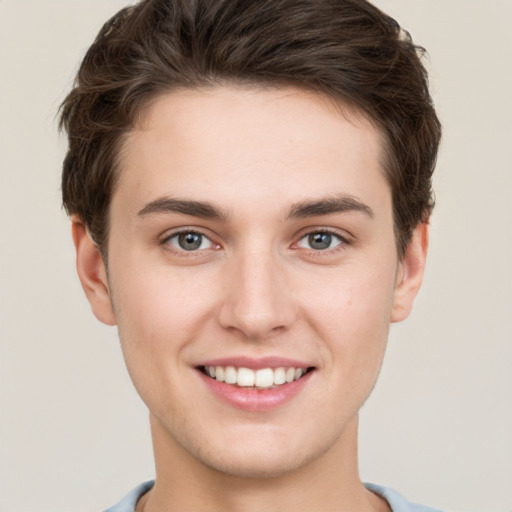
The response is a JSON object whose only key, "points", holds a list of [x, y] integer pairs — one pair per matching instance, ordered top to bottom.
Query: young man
{"points": [[250, 186]]}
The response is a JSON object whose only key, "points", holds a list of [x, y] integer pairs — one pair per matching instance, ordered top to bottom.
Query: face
{"points": [[253, 274]]}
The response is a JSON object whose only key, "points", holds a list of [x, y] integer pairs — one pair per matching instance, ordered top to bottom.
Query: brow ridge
{"points": [[329, 205], [201, 209], [301, 209]]}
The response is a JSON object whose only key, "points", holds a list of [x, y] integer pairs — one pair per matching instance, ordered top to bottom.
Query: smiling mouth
{"points": [[264, 378]]}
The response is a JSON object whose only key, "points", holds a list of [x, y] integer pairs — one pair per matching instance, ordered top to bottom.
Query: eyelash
{"points": [[343, 243], [184, 252]]}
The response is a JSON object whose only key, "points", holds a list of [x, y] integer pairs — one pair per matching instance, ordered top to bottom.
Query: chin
{"points": [[262, 456], [263, 466]]}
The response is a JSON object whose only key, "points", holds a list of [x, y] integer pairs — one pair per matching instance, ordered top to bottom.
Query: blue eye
{"points": [[189, 241], [320, 241]]}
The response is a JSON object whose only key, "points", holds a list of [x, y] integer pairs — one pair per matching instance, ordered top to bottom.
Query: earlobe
{"points": [[92, 273], [410, 273]]}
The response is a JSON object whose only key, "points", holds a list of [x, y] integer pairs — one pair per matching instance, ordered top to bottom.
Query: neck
{"points": [[329, 483]]}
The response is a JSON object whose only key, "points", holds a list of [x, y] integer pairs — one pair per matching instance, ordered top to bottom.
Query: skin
{"points": [[256, 288]]}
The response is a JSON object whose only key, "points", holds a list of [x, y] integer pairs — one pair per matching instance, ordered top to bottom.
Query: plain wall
{"points": [[73, 434]]}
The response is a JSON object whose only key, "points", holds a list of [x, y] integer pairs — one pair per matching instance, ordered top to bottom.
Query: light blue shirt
{"points": [[396, 501]]}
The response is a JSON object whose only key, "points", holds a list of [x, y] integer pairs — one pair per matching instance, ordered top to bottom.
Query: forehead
{"points": [[215, 142]]}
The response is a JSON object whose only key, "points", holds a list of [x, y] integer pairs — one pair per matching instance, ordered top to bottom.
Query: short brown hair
{"points": [[346, 49]]}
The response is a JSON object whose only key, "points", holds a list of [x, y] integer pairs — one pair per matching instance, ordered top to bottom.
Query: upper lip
{"points": [[256, 363]]}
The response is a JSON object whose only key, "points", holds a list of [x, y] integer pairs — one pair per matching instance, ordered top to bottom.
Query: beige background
{"points": [[73, 434]]}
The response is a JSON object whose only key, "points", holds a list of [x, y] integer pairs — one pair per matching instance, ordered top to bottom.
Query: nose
{"points": [[258, 302]]}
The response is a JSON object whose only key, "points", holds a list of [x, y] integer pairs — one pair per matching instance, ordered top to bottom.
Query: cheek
{"points": [[355, 299], [160, 306], [158, 315], [352, 316], [150, 324]]}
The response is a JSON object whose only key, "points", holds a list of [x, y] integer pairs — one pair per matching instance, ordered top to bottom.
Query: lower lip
{"points": [[256, 400]]}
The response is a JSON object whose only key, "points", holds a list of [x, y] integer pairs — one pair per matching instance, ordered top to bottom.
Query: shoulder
{"points": [[396, 501], [127, 504]]}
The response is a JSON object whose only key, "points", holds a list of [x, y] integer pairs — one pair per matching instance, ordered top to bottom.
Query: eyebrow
{"points": [[328, 205], [201, 209], [302, 209]]}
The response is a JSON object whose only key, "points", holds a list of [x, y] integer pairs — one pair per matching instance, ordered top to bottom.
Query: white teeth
{"points": [[219, 373], [230, 375], [279, 376], [245, 377], [263, 378]]}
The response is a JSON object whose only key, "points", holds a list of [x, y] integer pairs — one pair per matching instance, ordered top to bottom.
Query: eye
{"points": [[189, 241], [320, 241]]}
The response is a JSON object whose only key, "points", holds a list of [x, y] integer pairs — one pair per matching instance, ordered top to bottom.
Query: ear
{"points": [[92, 273], [410, 273]]}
